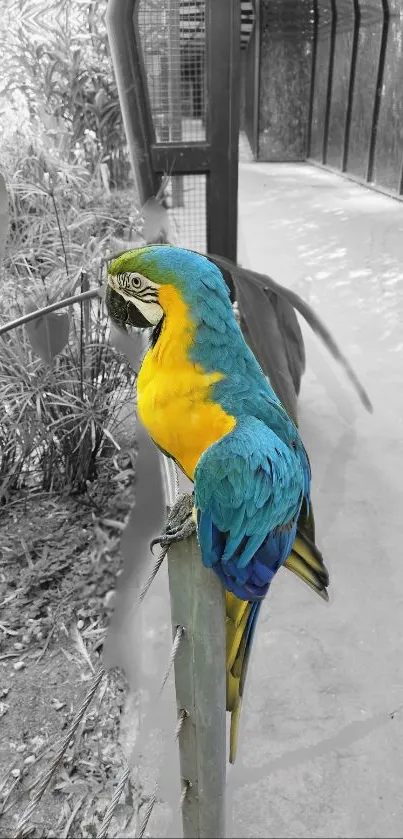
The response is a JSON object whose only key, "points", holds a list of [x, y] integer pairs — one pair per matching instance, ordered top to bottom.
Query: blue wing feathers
{"points": [[249, 488]]}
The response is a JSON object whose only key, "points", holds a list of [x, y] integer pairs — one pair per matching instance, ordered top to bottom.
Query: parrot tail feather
{"points": [[306, 561], [240, 626]]}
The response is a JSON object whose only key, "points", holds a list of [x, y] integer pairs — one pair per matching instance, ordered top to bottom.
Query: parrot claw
{"points": [[180, 524], [157, 541]]}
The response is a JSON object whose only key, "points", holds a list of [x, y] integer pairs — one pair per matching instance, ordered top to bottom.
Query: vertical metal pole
{"points": [[223, 47], [164, 76], [313, 76], [329, 81], [256, 82], [351, 82], [132, 90], [378, 91], [174, 94], [233, 127], [400, 184], [197, 604]]}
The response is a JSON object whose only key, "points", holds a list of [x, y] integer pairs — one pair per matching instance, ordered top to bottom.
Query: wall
{"points": [[286, 42], [286, 59], [364, 136]]}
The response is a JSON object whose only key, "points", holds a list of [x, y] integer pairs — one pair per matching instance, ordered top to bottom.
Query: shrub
{"points": [[62, 74], [58, 418]]}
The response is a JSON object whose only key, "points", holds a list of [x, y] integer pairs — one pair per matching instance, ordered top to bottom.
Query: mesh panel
{"points": [[173, 39], [188, 213]]}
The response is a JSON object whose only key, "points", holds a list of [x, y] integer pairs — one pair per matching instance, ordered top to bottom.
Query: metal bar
{"points": [[223, 46], [313, 76], [329, 81], [256, 82], [351, 82], [378, 91], [164, 92], [174, 92], [133, 93], [233, 127], [181, 158], [357, 180], [400, 184], [53, 307], [197, 604]]}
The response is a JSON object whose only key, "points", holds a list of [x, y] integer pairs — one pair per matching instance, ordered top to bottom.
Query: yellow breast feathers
{"points": [[174, 393]]}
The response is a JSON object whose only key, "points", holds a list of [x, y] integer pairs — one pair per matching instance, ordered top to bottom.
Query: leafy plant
{"points": [[64, 74], [60, 414]]}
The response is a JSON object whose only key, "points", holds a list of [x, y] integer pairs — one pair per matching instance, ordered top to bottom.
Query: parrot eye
{"points": [[135, 281]]}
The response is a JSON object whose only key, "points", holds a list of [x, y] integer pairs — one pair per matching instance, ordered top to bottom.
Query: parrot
{"points": [[206, 403]]}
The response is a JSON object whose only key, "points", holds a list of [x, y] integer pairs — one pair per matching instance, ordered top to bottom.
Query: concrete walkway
{"points": [[322, 746]]}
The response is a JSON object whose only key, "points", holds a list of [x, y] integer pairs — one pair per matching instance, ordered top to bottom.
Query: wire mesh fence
{"points": [[173, 41], [188, 213]]}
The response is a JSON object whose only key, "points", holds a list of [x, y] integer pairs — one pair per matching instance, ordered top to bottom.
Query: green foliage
{"points": [[64, 74], [62, 148], [58, 416], [56, 422]]}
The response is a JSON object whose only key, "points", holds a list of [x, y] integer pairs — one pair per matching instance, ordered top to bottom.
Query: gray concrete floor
{"points": [[322, 743], [321, 749]]}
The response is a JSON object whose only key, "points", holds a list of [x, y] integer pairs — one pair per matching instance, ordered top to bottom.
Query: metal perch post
{"points": [[197, 605]]}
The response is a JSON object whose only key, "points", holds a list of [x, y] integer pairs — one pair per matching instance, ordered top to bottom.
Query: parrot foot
{"points": [[180, 523]]}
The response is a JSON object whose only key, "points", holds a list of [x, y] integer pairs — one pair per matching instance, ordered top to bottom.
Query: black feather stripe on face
{"points": [[148, 295], [156, 333]]}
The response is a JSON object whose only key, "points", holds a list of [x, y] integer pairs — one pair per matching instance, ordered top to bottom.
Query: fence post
{"points": [[174, 92], [133, 95], [197, 604]]}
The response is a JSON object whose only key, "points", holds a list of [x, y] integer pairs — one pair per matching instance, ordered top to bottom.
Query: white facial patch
{"points": [[133, 289], [151, 311]]}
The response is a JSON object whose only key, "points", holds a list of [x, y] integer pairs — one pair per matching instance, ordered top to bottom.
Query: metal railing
{"points": [[252, 84], [355, 110]]}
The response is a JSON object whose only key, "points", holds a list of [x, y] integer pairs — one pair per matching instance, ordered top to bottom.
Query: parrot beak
{"points": [[122, 312]]}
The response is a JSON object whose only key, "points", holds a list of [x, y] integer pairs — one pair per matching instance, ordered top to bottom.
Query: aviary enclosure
{"points": [[319, 81], [323, 82]]}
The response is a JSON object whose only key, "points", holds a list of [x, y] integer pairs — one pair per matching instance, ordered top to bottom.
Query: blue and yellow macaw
{"points": [[206, 403]]}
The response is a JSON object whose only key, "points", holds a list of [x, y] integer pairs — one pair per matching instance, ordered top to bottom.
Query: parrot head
{"points": [[136, 277], [132, 292]]}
